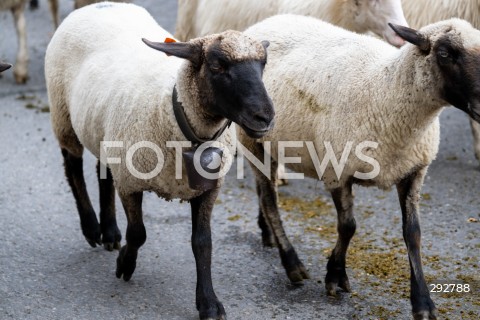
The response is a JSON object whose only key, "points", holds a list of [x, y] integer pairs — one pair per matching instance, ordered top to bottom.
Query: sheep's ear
{"points": [[412, 36], [265, 44], [184, 50], [4, 66]]}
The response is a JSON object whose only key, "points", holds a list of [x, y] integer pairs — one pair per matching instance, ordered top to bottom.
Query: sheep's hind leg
{"points": [[408, 189], [267, 192], [88, 219], [111, 235], [136, 235], [336, 273], [207, 302]]}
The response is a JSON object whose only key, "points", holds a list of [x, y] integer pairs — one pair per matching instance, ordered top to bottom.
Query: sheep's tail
{"points": [[184, 30]]}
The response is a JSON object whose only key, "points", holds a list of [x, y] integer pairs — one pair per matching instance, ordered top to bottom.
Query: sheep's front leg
{"points": [[20, 70], [476, 137], [409, 194], [88, 219], [270, 221], [111, 235], [136, 235], [268, 238], [336, 273], [207, 302]]}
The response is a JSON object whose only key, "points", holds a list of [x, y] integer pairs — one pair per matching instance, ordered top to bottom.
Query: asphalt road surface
{"points": [[48, 271]]}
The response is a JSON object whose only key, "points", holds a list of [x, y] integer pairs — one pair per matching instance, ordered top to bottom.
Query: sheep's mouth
{"points": [[253, 133]]}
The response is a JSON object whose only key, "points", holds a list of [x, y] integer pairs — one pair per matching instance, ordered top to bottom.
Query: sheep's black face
{"points": [[455, 49], [230, 67], [460, 69], [238, 91]]}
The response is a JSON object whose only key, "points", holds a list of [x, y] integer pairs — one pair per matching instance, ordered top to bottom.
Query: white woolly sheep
{"points": [[17, 7], [423, 12], [201, 17], [20, 70], [104, 84], [331, 85]]}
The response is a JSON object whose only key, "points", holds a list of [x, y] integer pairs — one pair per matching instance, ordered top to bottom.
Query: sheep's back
{"points": [[331, 85]]}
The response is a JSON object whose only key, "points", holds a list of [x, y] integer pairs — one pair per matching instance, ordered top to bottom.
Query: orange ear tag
{"points": [[169, 40]]}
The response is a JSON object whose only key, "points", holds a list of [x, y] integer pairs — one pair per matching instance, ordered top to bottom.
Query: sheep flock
{"points": [[273, 121]]}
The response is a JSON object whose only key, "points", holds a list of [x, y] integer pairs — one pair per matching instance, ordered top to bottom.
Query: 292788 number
{"points": [[450, 287]]}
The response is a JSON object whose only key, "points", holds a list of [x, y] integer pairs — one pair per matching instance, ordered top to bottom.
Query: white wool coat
{"points": [[419, 13], [201, 17], [328, 84], [107, 85]]}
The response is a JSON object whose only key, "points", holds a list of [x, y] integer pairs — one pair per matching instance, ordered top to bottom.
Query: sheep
{"points": [[17, 7], [423, 12], [200, 17], [20, 70], [105, 85], [332, 88]]}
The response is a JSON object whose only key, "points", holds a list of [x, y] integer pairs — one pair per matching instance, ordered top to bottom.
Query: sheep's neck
{"points": [[195, 105], [406, 114], [187, 130]]}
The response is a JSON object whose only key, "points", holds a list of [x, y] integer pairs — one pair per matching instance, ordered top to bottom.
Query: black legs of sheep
{"points": [[409, 196], [88, 219], [270, 222], [107, 231], [111, 235], [136, 235], [336, 273], [207, 302]]}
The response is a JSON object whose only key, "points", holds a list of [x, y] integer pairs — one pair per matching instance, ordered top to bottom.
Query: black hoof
{"points": [[91, 229], [111, 237], [93, 238], [126, 264], [295, 269], [298, 274], [337, 279], [212, 311]]}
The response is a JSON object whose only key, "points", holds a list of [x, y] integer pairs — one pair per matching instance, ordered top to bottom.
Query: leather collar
{"points": [[185, 126]]}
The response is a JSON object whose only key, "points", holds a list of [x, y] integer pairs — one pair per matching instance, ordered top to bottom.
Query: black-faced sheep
{"points": [[422, 12], [104, 84], [333, 88]]}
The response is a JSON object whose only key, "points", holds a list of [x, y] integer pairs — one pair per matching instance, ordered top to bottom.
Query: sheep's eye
{"points": [[444, 54], [216, 68]]}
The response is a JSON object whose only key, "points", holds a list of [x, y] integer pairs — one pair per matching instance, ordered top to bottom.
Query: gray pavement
{"points": [[48, 271]]}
